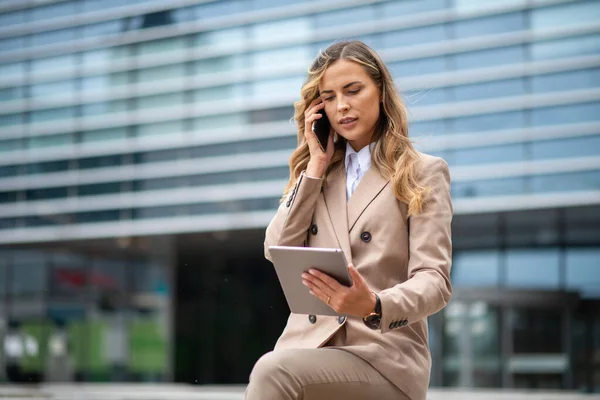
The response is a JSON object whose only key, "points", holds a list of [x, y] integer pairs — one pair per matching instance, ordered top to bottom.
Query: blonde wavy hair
{"points": [[393, 154]]}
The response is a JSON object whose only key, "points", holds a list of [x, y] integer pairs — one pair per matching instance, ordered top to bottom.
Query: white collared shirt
{"points": [[357, 165]]}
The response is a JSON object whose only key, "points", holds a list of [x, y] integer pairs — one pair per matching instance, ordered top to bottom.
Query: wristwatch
{"points": [[373, 320]]}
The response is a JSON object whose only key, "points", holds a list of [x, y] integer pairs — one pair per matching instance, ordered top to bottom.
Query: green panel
{"points": [[86, 339], [35, 345], [147, 347]]}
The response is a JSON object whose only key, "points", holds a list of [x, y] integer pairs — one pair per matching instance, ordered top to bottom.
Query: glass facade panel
{"points": [[97, 5], [471, 5], [221, 8], [400, 8], [59, 9], [565, 15], [344, 17], [13, 18], [491, 25], [103, 29], [287, 30], [413, 36], [54, 37], [223, 37], [12, 44], [161, 46], [567, 47], [290, 57], [489, 57], [104, 58], [218, 65], [424, 66], [13, 71], [158, 73], [571, 80], [103, 84], [509, 87], [274, 88], [63, 89], [11, 93], [216, 93], [426, 96], [161, 100], [94, 109], [52, 114], [565, 114], [11, 119], [489, 122], [434, 127], [169, 128], [104, 135], [39, 142], [11, 145], [569, 147], [489, 155], [46, 167], [572, 181], [494, 187], [476, 268], [533, 268], [583, 272]]}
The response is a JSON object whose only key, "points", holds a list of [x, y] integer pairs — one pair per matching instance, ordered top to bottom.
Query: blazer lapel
{"points": [[371, 184], [335, 200]]}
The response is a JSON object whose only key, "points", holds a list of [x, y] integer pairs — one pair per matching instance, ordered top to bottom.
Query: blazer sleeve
{"points": [[290, 225], [427, 289]]}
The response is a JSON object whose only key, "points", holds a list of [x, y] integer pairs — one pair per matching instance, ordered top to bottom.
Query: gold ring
{"points": [[328, 299]]}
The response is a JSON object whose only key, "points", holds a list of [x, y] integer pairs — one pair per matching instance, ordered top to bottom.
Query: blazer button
{"points": [[314, 229], [366, 237], [312, 318], [341, 319], [393, 325]]}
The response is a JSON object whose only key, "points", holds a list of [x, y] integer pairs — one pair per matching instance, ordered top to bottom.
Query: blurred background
{"points": [[144, 147]]}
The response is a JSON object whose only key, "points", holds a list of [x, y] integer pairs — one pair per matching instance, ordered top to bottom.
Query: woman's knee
{"points": [[270, 366]]}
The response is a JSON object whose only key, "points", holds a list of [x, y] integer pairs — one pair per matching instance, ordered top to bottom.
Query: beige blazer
{"points": [[405, 260]]}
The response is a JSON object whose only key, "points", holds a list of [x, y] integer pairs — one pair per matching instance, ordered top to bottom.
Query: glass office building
{"points": [[144, 147]]}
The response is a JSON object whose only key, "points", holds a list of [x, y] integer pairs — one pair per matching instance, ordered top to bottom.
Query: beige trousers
{"points": [[318, 374]]}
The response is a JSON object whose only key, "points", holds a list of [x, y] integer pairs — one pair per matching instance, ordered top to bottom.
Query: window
{"points": [[262, 4], [95, 5], [470, 5], [401, 8], [60, 9], [222, 9], [347, 16], [563, 16], [12, 18], [490, 25], [103, 29], [286, 30], [414, 36], [53, 37], [229, 37], [12, 44], [161, 45], [568, 47], [104, 57], [290, 57], [489, 58], [53, 64], [219, 65], [423, 66], [14, 71], [158, 73], [571, 80], [103, 84], [508, 87], [275, 88], [62, 89], [11, 93], [217, 93], [426, 96], [159, 101], [93, 109], [52, 114], [565, 114], [271, 115], [11, 119], [489, 122], [207, 123], [168, 128], [427, 128], [104, 135], [39, 142], [11, 145], [561, 148], [487, 155], [100, 162], [46, 167], [8, 171], [254, 175], [572, 181], [492, 187], [98, 189], [46, 194], [532, 228], [476, 268], [533, 268], [583, 273], [28, 274]]}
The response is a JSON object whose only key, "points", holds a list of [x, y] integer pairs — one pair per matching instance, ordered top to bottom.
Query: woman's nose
{"points": [[342, 107]]}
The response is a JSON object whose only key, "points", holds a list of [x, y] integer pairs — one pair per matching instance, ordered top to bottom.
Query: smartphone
{"points": [[322, 128]]}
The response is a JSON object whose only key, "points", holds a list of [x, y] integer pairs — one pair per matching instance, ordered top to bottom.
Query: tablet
{"points": [[291, 262]]}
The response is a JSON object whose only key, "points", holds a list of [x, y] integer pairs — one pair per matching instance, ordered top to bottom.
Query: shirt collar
{"points": [[363, 155]]}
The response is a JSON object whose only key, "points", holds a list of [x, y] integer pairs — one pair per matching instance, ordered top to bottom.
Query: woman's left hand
{"points": [[357, 300]]}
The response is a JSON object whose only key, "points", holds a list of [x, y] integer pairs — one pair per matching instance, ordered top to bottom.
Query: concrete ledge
{"points": [[169, 391]]}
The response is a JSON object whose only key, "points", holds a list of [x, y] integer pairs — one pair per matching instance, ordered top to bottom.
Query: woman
{"points": [[388, 207]]}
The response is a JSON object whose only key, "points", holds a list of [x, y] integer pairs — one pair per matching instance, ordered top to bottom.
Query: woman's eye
{"points": [[353, 91], [328, 98]]}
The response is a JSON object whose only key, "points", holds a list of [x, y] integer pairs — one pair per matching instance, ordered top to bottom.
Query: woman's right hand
{"points": [[319, 160]]}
